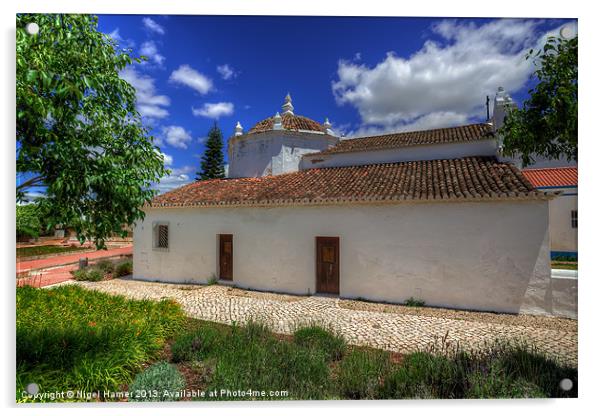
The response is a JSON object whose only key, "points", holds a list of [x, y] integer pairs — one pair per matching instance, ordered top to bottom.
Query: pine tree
{"points": [[212, 162]]}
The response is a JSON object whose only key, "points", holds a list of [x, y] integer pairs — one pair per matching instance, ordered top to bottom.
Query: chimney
{"points": [[502, 104], [287, 107], [278, 122], [328, 127], [238, 129]]}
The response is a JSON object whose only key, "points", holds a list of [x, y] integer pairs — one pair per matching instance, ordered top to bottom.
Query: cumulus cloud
{"points": [[153, 26], [115, 35], [121, 41], [149, 49], [226, 72], [190, 77], [442, 84], [150, 104], [214, 110], [425, 122], [176, 136], [167, 159], [184, 170], [177, 177], [170, 182]]}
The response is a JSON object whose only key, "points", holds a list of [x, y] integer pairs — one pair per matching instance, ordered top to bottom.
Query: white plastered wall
{"points": [[272, 152], [402, 154], [563, 237], [487, 256]]}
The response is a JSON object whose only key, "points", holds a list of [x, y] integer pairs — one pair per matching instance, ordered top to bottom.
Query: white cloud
{"points": [[153, 26], [115, 35], [121, 41], [149, 49], [226, 71], [190, 77], [441, 84], [149, 103], [214, 110], [425, 122], [176, 136], [167, 159], [184, 170], [178, 177], [170, 182]]}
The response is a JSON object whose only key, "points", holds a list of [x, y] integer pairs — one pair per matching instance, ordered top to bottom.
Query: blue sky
{"points": [[367, 75]]}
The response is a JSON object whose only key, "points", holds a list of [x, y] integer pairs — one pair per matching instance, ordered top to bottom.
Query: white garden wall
{"points": [[486, 256]]}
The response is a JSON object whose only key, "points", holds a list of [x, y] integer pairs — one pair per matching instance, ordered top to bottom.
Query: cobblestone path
{"points": [[390, 331]]}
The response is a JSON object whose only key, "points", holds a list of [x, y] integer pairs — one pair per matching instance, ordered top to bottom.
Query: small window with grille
{"points": [[574, 219], [161, 236]]}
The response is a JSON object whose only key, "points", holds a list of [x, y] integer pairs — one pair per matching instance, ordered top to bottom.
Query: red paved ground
{"points": [[24, 266], [42, 276], [48, 277]]}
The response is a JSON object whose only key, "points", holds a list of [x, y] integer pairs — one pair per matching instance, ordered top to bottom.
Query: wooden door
{"points": [[225, 256], [327, 265]]}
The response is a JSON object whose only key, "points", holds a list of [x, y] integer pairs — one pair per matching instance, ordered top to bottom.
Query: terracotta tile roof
{"points": [[289, 122], [470, 132], [552, 177], [472, 178]]}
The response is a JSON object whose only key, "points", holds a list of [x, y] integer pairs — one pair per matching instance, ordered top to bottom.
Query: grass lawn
{"points": [[42, 250], [566, 265], [69, 338], [72, 338]]}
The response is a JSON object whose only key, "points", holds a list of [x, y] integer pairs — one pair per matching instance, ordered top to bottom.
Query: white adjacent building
{"points": [[563, 209], [434, 215]]}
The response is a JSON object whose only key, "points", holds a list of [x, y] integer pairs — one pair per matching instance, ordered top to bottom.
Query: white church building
{"points": [[435, 215]]}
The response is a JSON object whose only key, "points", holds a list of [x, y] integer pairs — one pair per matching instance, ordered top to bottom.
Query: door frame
{"points": [[219, 257], [338, 262]]}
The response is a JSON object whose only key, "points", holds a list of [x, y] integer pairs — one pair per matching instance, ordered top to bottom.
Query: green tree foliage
{"points": [[547, 124], [79, 135], [212, 163], [28, 220]]}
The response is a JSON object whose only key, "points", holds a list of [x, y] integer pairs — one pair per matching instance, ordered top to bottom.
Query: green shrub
{"points": [[28, 221], [106, 266], [124, 269], [80, 274], [89, 274], [94, 275], [212, 280], [414, 302], [256, 331], [316, 337], [71, 338], [197, 344], [251, 357], [505, 370], [530, 372], [360, 373], [425, 376], [160, 382], [495, 383]]}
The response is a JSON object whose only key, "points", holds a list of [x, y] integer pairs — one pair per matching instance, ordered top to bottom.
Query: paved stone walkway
{"points": [[390, 331]]}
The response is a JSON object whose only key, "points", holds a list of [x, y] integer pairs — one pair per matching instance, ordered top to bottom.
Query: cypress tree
{"points": [[212, 162]]}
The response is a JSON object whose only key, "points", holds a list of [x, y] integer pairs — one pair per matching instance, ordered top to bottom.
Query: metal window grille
{"points": [[574, 219], [163, 236]]}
